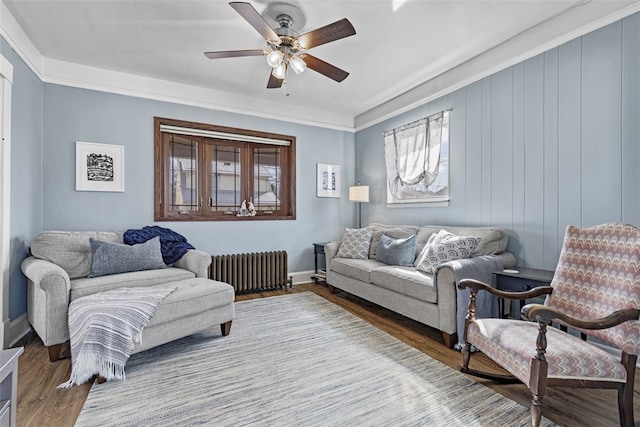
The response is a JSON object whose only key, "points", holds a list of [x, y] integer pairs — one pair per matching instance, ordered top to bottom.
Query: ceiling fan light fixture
{"points": [[274, 58], [297, 64], [280, 71]]}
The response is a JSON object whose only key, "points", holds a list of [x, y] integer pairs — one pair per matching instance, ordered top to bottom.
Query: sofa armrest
{"points": [[330, 251], [195, 261], [46, 275], [48, 287], [447, 294]]}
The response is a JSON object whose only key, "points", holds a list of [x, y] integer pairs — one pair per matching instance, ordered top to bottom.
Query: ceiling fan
{"points": [[288, 49]]}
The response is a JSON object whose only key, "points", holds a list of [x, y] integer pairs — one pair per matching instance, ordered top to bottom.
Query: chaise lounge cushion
{"points": [[87, 286], [191, 297]]}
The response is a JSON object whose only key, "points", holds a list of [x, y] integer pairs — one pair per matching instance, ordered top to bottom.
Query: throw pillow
{"points": [[355, 243], [445, 247], [396, 251], [114, 258]]}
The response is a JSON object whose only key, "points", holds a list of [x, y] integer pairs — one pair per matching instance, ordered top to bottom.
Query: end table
{"points": [[320, 275], [519, 279]]}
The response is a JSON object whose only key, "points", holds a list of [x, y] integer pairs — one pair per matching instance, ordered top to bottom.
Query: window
{"points": [[417, 161], [207, 172]]}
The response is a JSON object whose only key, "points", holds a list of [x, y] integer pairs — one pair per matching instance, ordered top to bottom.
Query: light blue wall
{"points": [[72, 114], [552, 141], [548, 142], [26, 172]]}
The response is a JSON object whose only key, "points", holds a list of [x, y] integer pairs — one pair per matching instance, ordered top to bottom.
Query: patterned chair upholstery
{"points": [[595, 290]]}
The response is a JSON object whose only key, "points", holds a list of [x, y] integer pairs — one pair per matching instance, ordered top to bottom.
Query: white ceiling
{"points": [[401, 55]]}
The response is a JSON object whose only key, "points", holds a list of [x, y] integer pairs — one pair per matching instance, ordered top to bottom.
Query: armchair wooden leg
{"points": [[225, 328], [466, 357], [538, 376], [538, 385], [625, 391]]}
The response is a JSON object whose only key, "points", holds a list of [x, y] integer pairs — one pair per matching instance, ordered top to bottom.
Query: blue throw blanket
{"points": [[172, 245], [479, 268]]}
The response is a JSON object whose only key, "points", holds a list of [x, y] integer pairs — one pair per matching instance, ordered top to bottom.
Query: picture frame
{"points": [[99, 167], [328, 180]]}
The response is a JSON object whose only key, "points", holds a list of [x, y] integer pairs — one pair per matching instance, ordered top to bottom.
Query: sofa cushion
{"points": [[393, 231], [422, 237], [355, 243], [443, 247], [70, 250], [396, 251], [114, 258], [359, 269], [406, 281], [87, 286]]}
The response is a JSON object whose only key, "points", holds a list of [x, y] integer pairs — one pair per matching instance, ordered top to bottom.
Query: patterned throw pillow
{"points": [[355, 243], [443, 247]]}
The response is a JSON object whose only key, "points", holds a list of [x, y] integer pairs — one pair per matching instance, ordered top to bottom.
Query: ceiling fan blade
{"points": [[251, 15], [336, 31], [234, 53], [324, 68], [274, 82]]}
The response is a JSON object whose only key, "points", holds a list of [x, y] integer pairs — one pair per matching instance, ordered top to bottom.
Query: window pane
{"points": [[183, 174], [225, 178], [266, 179]]}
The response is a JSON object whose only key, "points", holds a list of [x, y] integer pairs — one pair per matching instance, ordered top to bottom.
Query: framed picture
{"points": [[99, 167], [328, 180]]}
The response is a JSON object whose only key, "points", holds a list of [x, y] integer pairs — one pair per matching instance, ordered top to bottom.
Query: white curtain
{"points": [[412, 153]]}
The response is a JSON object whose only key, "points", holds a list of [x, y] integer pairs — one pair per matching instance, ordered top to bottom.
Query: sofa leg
{"points": [[332, 289], [225, 328], [449, 340], [59, 351]]}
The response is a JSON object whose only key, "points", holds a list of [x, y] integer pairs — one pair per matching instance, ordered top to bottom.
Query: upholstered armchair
{"points": [[596, 291]]}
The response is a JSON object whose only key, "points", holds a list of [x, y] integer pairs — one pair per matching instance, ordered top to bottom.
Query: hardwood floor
{"points": [[41, 404]]}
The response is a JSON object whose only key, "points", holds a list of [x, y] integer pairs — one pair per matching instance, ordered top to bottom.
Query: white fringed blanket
{"points": [[480, 268], [103, 328]]}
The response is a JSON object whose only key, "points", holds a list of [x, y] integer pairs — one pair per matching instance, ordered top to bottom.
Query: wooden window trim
{"points": [[161, 168]]}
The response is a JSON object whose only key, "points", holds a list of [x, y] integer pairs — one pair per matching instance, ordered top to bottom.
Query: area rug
{"points": [[294, 360]]}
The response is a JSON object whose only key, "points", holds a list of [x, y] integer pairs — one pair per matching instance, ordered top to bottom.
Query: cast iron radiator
{"points": [[251, 272]]}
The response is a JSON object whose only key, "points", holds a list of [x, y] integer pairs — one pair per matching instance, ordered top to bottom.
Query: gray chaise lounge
{"points": [[57, 273]]}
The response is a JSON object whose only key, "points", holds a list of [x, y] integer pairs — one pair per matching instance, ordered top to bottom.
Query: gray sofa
{"points": [[57, 273], [427, 298]]}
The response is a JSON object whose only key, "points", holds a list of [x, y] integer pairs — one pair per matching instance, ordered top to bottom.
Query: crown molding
{"points": [[584, 19], [81, 76]]}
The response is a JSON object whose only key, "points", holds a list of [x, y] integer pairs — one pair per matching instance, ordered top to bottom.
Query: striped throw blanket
{"points": [[103, 327]]}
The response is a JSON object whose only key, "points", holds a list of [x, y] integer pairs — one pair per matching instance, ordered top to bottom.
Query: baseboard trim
{"points": [[301, 277], [18, 329]]}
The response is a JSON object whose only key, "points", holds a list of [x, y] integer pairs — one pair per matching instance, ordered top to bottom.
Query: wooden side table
{"points": [[320, 275], [519, 279]]}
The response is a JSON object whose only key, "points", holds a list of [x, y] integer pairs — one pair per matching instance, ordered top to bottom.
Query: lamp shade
{"points": [[359, 193]]}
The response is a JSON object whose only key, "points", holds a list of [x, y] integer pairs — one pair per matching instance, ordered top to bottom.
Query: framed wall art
{"points": [[99, 167], [329, 180]]}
